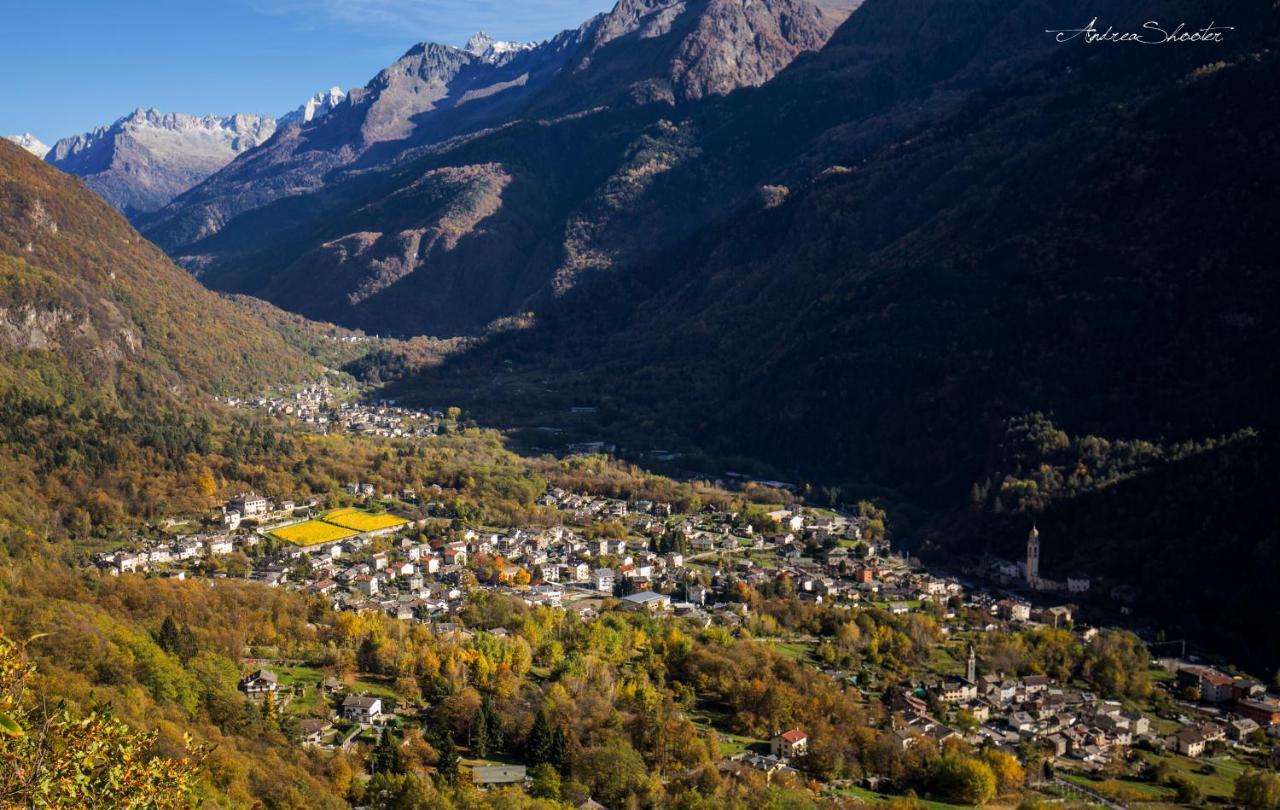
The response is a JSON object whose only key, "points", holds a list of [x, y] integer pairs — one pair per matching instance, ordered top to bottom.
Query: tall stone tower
{"points": [[1033, 557], [971, 668]]}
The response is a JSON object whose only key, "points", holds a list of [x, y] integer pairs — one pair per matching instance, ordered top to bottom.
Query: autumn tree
{"points": [[55, 759], [1258, 790]]}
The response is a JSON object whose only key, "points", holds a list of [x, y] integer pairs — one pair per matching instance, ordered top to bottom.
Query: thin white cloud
{"points": [[440, 20]]}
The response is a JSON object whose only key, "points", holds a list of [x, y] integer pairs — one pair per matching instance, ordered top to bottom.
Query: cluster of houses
{"points": [[325, 408], [261, 510], [168, 556], [1242, 707], [360, 711], [1008, 711], [1064, 721]]}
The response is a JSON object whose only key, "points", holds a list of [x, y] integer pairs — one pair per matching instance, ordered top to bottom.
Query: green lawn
{"points": [[801, 651], [943, 661], [294, 675], [369, 686], [709, 718], [1220, 784], [1121, 790], [872, 796]]}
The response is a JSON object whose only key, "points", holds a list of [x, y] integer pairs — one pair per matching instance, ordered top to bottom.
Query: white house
{"points": [[248, 504], [604, 579], [259, 683], [362, 708]]}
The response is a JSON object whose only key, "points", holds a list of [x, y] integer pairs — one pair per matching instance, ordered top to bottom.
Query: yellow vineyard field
{"points": [[362, 521], [312, 533]]}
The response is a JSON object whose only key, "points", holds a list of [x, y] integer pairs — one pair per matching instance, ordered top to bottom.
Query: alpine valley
{"points": [[723, 403]]}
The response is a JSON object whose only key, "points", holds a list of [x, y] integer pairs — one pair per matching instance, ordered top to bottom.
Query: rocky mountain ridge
{"points": [[141, 161]]}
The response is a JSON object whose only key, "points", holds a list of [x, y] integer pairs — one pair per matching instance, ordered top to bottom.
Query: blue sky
{"points": [[71, 66]]}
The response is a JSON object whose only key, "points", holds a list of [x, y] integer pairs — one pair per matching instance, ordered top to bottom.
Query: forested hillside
{"points": [[109, 355]]}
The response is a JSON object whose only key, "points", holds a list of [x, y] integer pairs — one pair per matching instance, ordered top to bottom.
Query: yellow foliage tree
{"points": [[56, 760]]}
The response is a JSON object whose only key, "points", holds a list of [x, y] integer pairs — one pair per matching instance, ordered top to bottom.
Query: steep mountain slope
{"points": [[432, 92], [394, 137], [30, 143], [145, 159], [525, 206], [948, 225], [84, 287], [108, 352]]}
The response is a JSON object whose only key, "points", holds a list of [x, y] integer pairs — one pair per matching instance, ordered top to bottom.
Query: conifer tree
{"points": [[168, 638], [493, 724], [480, 734], [541, 740], [560, 750], [387, 756], [448, 762]]}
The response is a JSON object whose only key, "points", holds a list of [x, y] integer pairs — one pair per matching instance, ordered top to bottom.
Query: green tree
{"points": [[168, 638], [493, 724], [480, 734], [538, 748], [560, 751], [387, 756], [448, 762], [615, 773], [546, 781], [1258, 790], [1188, 791]]}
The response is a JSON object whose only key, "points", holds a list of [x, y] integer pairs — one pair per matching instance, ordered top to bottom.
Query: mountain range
{"points": [[143, 160], [396, 209], [858, 212]]}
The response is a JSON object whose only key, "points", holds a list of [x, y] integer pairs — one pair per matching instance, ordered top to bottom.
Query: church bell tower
{"points": [[1033, 557]]}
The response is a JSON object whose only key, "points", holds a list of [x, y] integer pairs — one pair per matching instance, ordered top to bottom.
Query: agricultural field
{"points": [[362, 521], [313, 533]]}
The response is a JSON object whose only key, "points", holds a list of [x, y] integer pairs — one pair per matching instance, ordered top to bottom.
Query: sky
{"points": [[72, 66]]}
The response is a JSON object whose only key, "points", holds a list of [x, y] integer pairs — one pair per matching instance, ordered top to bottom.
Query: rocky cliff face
{"points": [[688, 49], [318, 106], [144, 160], [89, 308]]}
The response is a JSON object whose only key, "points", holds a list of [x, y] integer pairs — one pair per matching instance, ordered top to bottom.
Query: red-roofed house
{"points": [[793, 743]]}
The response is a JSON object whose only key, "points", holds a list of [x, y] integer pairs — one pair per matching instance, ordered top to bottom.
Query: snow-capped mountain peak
{"points": [[491, 50], [318, 106], [30, 143], [142, 161]]}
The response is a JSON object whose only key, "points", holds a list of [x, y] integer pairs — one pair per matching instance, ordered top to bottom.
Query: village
{"points": [[331, 407], [401, 556]]}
